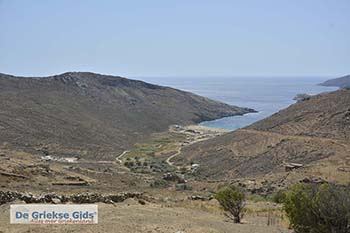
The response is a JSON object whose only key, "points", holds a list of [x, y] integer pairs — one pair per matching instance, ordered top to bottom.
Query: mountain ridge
{"points": [[93, 115]]}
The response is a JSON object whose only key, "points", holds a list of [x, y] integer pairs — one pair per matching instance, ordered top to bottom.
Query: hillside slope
{"points": [[342, 82], [93, 115], [325, 115], [315, 133]]}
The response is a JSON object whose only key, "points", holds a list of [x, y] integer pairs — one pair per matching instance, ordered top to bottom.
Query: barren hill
{"points": [[342, 82], [93, 115], [325, 115], [315, 133]]}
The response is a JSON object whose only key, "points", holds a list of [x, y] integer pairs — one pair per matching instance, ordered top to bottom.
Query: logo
{"points": [[53, 214]]}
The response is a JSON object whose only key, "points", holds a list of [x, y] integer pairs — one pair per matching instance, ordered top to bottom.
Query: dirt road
{"points": [[205, 134], [119, 157]]}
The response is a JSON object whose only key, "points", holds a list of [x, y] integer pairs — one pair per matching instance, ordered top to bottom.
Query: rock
{"points": [[302, 97], [200, 198], [56, 201]]}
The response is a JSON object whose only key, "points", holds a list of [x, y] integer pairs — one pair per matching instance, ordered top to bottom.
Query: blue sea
{"points": [[267, 95]]}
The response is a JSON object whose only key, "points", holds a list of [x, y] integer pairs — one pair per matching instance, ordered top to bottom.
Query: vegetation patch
{"points": [[313, 208]]}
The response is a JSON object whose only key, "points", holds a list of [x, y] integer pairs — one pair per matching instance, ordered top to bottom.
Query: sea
{"points": [[267, 95]]}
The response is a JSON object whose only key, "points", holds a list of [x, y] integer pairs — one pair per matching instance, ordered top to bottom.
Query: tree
{"points": [[232, 200], [313, 208]]}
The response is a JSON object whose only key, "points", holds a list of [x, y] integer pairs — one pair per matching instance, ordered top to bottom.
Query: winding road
{"points": [[179, 151], [119, 157]]}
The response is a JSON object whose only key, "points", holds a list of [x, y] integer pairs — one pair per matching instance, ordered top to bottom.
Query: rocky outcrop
{"points": [[302, 97]]}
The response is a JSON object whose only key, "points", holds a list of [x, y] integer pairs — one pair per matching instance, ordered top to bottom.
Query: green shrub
{"points": [[129, 164], [279, 196], [232, 200], [315, 208]]}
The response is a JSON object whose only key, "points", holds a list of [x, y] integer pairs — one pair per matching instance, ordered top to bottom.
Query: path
{"points": [[179, 151], [173, 156], [119, 157]]}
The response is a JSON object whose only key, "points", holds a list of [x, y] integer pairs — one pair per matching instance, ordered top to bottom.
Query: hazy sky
{"points": [[176, 37]]}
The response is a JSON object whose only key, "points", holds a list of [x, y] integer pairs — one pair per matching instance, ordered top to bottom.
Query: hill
{"points": [[342, 82], [92, 115], [314, 133]]}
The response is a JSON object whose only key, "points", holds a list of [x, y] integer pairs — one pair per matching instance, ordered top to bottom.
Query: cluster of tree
{"points": [[311, 208]]}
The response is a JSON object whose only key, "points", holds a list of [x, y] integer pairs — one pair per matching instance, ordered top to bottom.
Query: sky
{"points": [[175, 38]]}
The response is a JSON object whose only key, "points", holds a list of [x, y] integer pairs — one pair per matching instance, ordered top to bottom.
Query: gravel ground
{"points": [[131, 217]]}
